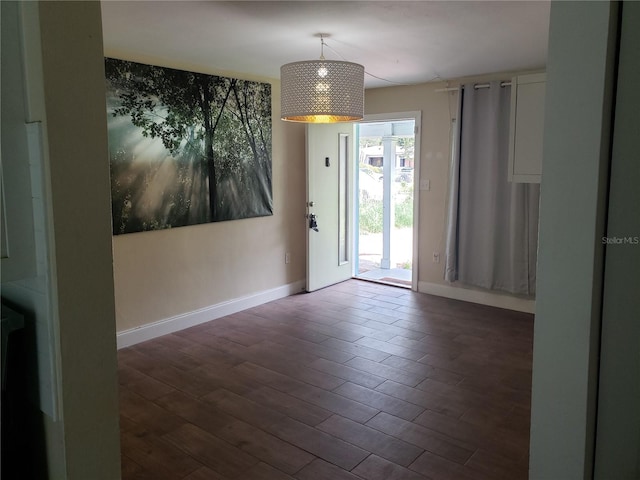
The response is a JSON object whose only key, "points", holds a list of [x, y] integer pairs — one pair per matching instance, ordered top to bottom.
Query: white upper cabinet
{"points": [[526, 129]]}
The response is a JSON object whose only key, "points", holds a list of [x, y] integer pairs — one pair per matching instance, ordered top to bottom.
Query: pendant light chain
{"points": [[321, 47]]}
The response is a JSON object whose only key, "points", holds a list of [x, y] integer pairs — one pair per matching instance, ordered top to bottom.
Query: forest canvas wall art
{"points": [[186, 148]]}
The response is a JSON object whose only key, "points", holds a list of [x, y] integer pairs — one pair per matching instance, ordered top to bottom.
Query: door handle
{"points": [[313, 222]]}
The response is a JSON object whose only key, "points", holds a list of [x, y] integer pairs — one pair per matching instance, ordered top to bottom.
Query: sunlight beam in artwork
{"points": [[186, 148]]}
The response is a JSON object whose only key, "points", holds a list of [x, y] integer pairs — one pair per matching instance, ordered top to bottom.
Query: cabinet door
{"points": [[527, 125], [17, 244]]}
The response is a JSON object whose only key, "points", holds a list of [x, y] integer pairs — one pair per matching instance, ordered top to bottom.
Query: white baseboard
{"points": [[479, 296], [126, 338]]}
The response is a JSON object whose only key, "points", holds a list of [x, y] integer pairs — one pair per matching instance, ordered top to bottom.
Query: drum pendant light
{"points": [[322, 91]]}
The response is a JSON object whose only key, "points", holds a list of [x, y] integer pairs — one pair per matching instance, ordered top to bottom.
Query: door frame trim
{"points": [[415, 115]]}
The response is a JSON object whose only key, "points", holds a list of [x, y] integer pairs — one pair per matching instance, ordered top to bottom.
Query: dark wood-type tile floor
{"points": [[356, 381]]}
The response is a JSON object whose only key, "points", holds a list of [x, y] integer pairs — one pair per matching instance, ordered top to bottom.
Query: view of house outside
{"points": [[371, 207]]}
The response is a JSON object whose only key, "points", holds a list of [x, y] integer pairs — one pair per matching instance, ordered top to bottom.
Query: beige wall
{"points": [[438, 109], [434, 161], [576, 162], [77, 174], [163, 274], [71, 298], [617, 441]]}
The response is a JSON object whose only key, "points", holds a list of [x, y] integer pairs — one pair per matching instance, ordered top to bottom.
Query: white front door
{"points": [[330, 166]]}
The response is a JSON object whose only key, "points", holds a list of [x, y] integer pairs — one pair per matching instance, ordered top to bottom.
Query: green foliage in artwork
{"points": [[217, 135]]}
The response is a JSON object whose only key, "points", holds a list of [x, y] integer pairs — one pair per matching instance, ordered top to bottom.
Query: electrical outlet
{"points": [[425, 184], [287, 257], [436, 257]]}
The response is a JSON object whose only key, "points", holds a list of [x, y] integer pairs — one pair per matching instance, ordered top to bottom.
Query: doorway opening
{"points": [[386, 200]]}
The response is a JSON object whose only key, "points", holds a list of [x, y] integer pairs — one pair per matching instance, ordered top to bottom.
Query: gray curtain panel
{"points": [[493, 224], [451, 246]]}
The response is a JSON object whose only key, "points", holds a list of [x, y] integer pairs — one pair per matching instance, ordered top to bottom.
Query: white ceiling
{"points": [[401, 42]]}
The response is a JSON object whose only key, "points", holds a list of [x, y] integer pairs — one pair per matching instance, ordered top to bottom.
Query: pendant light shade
{"points": [[322, 91]]}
